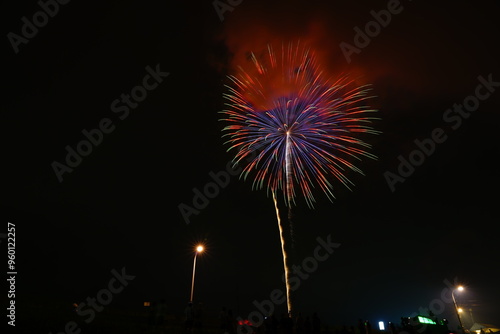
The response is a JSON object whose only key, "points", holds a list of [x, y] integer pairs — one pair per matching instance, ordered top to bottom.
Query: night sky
{"points": [[119, 206]]}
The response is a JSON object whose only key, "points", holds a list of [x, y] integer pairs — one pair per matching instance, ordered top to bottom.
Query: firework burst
{"points": [[294, 128]]}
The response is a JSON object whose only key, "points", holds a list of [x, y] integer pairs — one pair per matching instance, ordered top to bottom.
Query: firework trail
{"points": [[294, 128], [283, 252]]}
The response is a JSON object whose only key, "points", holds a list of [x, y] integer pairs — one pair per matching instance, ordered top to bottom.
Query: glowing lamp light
{"points": [[199, 249], [460, 288], [460, 310], [381, 325]]}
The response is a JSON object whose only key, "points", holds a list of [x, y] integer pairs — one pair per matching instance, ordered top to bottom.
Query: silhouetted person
{"points": [[160, 311], [151, 317], [198, 317], [189, 318], [223, 320], [230, 322], [288, 322], [268, 323], [274, 324], [282, 324], [299, 324], [316, 324], [308, 325], [361, 327], [368, 327], [392, 328]]}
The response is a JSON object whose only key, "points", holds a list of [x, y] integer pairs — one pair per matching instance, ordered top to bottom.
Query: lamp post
{"points": [[199, 249], [459, 288], [471, 317]]}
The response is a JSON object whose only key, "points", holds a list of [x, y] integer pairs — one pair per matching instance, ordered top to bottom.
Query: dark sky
{"points": [[119, 206]]}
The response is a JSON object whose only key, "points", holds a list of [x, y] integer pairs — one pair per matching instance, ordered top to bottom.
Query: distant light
{"points": [[199, 249], [460, 288], [147, 304], [460, 310], [424, 320], [244, 322], [381, 325]]}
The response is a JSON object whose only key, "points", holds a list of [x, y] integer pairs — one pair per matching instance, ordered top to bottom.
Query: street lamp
{"points": [[199, 249], [457, 309]]}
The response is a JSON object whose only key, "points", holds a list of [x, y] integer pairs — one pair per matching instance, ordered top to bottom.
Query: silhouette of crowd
{"points": [[225, 322]]}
